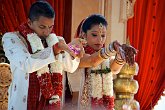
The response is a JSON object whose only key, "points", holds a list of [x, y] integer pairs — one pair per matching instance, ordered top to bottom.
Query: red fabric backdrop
{"points": [[15, 12], [147, 34]]}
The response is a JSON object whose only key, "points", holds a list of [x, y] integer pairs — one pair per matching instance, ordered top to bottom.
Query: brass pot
{"points": [[129, 70], [126, 85], [124, 96], [132, 104]]}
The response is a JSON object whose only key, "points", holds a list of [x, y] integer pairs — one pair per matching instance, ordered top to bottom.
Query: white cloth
{"points": [[22, 63], [74, 80]]}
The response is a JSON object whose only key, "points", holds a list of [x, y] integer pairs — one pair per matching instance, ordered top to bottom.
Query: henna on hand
{"points": [[118, 48], [126, 52], [130, 53]]}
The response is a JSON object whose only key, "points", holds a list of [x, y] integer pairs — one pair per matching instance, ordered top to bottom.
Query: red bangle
{"points": [[55, 45], [56, 48]]}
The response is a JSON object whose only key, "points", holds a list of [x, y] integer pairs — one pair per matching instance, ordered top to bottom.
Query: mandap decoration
{"points": [[5, 80]]}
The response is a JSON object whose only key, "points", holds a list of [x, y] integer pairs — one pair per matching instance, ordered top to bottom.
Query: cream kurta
{"points": [[22, 63]]}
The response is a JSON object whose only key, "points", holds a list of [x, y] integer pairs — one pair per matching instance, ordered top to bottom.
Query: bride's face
{"points": [[96, 36]]}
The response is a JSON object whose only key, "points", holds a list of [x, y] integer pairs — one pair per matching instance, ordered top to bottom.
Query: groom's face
{"points": [[43, 26]]}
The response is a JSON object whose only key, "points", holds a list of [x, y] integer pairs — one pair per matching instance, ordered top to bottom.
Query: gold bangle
{"points": [[111, 47], [106, 52], [100, 54], [103, 54], [119, 60], [119, 63]]}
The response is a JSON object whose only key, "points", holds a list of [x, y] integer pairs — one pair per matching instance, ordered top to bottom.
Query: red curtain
{"points": [[15, 12], [68, 21], [147, 34]]}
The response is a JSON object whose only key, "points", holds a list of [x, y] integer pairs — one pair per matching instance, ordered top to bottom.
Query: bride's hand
{"points": [[62, 46], [77, 46], [118, 48], [125, 52], [130, 53]]}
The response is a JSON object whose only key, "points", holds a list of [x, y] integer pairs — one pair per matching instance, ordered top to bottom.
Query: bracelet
{"points": [[56, 49], [109, 50], [105, 51], [102, 53], [99, 54], [119, 61]]}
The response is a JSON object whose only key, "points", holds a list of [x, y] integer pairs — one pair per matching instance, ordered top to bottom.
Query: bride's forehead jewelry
{"points": [[101, 28]]}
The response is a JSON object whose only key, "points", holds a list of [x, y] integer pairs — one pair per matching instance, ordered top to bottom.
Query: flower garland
{"points": [[50, 84], [102, 87], [97, 93]]}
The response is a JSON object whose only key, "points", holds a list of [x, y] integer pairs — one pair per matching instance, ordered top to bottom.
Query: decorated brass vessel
{"points": [[125, 87]]}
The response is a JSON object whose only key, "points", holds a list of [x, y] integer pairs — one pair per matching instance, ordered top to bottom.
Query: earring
{"points": [[83, 41]]}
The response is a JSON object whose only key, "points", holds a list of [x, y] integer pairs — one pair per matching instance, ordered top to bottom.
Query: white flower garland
{"points": [[55, 67], [101, 85]]}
